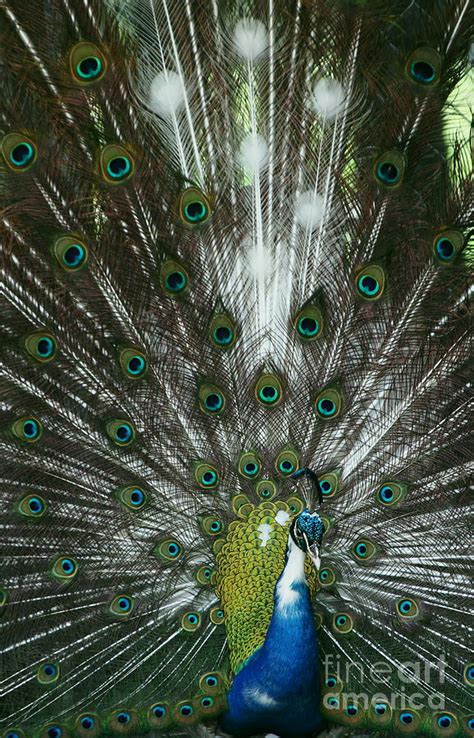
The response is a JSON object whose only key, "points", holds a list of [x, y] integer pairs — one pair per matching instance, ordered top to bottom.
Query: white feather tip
{"points": [[250, 38], [166, 94], [328, 97], [253, 152], [309, 210]]}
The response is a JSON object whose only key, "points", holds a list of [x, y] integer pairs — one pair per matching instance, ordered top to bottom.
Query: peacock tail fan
{"points": [[236, 240]]}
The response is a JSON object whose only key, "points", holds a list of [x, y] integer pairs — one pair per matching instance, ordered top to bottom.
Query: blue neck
{"points": [[278, 690]]}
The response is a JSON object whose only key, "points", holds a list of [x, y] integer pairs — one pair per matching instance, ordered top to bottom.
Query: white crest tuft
{"points": [[250, 38], [166, 94], [328, 97], [253, 152], [309, 209]]}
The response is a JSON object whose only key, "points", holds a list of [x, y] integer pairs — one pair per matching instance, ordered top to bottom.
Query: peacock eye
{"points": [[87, 63], [424, 67], [19, 152], [116, 164], [390, 169], [194, 207], [448, 245], [71, 253], [173, 277], [370, 282], [309, 323], [222, 331], [41, 346], [133, 363], [268, 390], [211, 399], [328, 404], [27, 429], [121, 432], [287, 462], [249, 465], [206, 476], [329, 484], [266, 489], [390, 493], [132, 497], [295, 505], [32, 506], [212, 525], [169, 550], [363, 550], [64, 568], [204, 575], [326, 576], [121, 605], [407, 608], [217, 616], [191, 621], [342, 623], [48, 673], [469, 674], [207, 702], [333, 703], [381, 708], [352, 710], [159, 711], [406, 718], [122, 721], [444, 721], [87, 722], [54, 731]]}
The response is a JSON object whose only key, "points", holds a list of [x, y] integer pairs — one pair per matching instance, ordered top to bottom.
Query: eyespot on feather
{"points": [[87, 63], [423, 67], [20, 152], [116, 163], [389, 169], [194, 207], [71, 253], [174, 278], [370, 282], [222, 331], [41, 346], [133, 363], [269, 390], [211, 399], [328, 403], [27, 428], [121, 432], [287, 462], [249, 465], [206, 475], [32, 506], [122, 606]]}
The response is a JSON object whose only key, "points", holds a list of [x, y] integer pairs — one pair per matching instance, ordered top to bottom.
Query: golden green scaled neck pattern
{"points": [[236, 243], [249, 561]]}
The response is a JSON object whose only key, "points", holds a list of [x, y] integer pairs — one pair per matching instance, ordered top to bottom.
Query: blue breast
{"points": [[278, 690]]}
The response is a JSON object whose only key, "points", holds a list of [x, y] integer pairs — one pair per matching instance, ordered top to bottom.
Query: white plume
{"points": [[250, 38], [166, 94], [328, 97], [253, 153], [309, 209]]}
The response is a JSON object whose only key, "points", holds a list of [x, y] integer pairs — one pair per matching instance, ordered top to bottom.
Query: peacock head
{"points": [[307, 530]]}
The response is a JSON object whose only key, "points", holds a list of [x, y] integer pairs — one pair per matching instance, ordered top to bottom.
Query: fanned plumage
{"points": [[236, 241]]}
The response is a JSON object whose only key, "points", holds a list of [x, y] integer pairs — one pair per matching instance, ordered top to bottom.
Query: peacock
{"points": [[235, 359]]}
